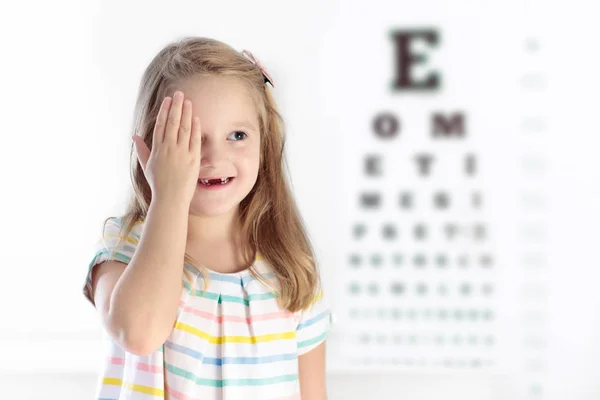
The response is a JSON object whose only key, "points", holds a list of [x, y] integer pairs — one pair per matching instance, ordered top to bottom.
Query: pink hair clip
{"points": [[255, 61]]}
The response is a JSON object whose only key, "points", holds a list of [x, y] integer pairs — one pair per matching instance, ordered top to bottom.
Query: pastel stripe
{"points": [[129, 239], [119, 255], [229, 298], [235, 318], [314, 320], [234, 339], [313, 340], [116, 360], [229, 360], [138, 365], [229, 382], [134, 387], [177, 395]]}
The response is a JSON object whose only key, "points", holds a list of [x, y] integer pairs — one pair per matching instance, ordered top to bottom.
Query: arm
{"points": [[138, 302], [312, 331], [311, 371]]}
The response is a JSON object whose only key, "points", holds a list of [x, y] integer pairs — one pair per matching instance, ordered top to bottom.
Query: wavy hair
{"points": [[270, 221]]}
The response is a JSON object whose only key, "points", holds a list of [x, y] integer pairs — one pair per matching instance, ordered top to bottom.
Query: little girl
{"points": [[207, 286]]}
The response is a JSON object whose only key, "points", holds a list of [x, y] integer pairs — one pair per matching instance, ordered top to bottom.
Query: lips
{"points": [[214, 177], [210, 181]]}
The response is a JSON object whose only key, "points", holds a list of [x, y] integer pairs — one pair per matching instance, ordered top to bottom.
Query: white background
{"points": [[70, 72]]}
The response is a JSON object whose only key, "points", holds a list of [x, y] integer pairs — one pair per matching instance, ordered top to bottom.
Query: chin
{"points": [[200, 208]]}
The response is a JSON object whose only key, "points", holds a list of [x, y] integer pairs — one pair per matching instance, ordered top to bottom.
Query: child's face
{"points": [[222, 103]]}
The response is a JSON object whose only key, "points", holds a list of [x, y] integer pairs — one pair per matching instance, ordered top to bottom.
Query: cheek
{"points": [[249, 158]]}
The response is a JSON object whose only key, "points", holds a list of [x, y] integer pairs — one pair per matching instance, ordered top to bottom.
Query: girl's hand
{"points": [[173, 166]]}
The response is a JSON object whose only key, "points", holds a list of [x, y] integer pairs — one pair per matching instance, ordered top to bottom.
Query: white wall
{"points": [[70, 72]]}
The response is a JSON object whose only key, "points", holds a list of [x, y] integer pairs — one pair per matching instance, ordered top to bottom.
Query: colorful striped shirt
{"points": [[232, 341]]}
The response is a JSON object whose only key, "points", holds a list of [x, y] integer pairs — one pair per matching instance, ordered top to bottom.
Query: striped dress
{"points": [[230, 342]]}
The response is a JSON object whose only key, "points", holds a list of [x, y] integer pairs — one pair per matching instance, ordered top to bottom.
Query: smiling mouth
{"points": [[215, 181]]}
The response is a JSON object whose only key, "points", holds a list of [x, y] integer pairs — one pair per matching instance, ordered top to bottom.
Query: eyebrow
{"points": [[245, 124]]}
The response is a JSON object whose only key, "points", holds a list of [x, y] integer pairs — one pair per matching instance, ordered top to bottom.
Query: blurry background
{"points": [[443, 154]]}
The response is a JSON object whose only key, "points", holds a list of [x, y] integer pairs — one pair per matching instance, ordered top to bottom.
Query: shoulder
{"points": [[114, 228], [115, 242], [314, 322]]}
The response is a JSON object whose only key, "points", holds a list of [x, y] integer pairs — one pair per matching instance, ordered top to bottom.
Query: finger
{"points": [[174, 118], [161, 120], [185, 125], [196, 137], [141, 150]]}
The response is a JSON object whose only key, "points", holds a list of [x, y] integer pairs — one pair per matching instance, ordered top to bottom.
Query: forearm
{"points": [[144, 302]]}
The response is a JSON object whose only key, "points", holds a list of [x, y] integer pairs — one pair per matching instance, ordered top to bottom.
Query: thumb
{"points": [[141, 150]]}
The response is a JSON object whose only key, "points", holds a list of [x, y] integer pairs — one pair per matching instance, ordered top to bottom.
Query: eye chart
{"points": [[443, 183]]}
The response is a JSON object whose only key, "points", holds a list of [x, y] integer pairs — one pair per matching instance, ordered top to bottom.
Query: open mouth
{"points": [[215, 182]]}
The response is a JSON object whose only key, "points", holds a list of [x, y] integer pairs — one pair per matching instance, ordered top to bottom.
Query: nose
{"points": [[212, 152]]}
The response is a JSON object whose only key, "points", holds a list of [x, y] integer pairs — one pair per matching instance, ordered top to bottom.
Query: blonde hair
{"points": [[270, 221]]}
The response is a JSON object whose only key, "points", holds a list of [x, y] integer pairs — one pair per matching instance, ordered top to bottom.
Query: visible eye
{"points": [[240, 132]]}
